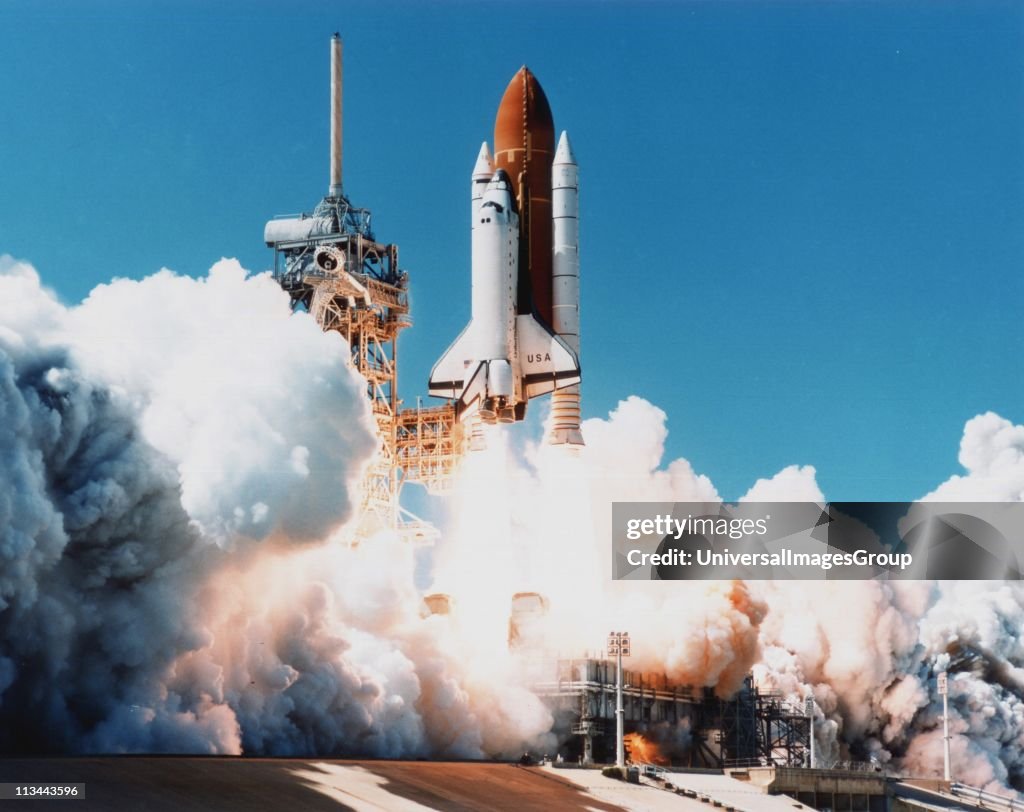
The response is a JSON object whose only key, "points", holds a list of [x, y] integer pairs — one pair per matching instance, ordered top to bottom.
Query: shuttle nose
{"points": [[500, 180], [499, 192], [497, 199]]}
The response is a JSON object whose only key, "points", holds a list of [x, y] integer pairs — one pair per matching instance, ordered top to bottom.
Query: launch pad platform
{"points": [[692, 727]]}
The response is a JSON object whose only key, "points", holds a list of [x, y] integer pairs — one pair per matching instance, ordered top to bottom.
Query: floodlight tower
{"points": [[618, 644], [943, 686], [809, 710]]}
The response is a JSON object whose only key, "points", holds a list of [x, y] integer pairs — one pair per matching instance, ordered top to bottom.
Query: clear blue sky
{"points": [[803, 222]]}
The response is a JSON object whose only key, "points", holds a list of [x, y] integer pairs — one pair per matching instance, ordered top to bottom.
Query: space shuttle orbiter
{"points": [[503, 357]]}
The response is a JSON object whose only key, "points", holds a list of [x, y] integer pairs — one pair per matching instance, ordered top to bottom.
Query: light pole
{"points": [[618, 644], [944, 693], [809, 709]]}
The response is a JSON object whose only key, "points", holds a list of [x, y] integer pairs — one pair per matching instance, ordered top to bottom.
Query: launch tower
{"points": [[332, 265]]}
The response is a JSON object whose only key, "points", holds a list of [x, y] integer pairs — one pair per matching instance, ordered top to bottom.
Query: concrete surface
{"points": [[185, 784], [622, 795], [740, 795]]}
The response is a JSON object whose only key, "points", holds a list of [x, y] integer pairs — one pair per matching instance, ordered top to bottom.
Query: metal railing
{"points": [[839, 766], [650, 770]]}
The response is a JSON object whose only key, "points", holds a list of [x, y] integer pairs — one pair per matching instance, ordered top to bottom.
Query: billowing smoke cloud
{"points": [[258, 410], [169, 442], [992, 453], [179, 460], [543, 525], [96, 551], [325, 651], [869, 653]]}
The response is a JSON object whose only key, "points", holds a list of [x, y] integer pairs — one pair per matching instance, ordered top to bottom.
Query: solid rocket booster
{"points": [[565, 287]]}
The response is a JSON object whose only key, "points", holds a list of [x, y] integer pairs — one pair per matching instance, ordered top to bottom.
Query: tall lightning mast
{"points": [[336, 88]]}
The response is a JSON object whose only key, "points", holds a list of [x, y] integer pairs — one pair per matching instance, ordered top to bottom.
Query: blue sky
{"points": [[802, 222]]}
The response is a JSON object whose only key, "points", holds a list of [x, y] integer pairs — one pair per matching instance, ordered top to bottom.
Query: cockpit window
{"points": [[492, 204]]}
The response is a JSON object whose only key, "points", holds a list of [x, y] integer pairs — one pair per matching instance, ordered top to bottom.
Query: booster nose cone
{"points": [[563, 154], [484, 167]]}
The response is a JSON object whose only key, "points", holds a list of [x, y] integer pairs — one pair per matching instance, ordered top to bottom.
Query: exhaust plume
{"points": [[179, 457]]}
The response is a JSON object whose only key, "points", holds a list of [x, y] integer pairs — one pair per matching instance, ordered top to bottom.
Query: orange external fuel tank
{"points": [[524, 146]]}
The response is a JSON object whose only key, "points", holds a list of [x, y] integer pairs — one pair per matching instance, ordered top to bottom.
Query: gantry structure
{"points": [[332, 266]]}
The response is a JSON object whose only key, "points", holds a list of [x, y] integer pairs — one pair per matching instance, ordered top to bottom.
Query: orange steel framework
{"points": [[331, 265], [352, 285]]}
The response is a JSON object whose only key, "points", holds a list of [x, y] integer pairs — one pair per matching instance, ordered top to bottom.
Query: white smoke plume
{"points": [[257, 410], [174, 453], [992, 453], [127, 456], [179, 458], [543, 525], [869, 653]]}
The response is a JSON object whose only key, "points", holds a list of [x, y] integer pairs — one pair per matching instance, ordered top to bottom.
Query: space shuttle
{"points": [[522, 340], [503, 357]]}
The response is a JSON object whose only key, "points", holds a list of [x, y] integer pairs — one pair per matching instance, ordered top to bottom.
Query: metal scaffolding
{"points": [[330, 263], [332, 266], [429, 445], [581, 694], [748, 729], [755, 729]]}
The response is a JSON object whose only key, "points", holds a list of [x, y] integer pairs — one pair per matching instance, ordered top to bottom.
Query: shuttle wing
{"points": [[546, 361], [449, 375]]}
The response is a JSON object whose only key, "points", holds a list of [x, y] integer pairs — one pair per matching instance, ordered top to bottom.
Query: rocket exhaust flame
{"points": [[644, 751]]}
